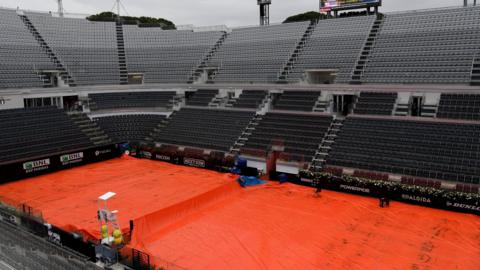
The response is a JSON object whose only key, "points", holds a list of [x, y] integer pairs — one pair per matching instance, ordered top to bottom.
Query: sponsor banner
{"points": [[102, 152], [145, 154], [163, 157], [71, 158], [193, 162], [36, 166], [20, 170], [306, 180], [355, 189], [416, 198], [463, 207]]}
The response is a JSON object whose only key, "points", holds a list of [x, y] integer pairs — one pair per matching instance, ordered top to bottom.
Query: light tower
{"points": [[465, 3], [60, 8], [118, 8], [264, 11]]}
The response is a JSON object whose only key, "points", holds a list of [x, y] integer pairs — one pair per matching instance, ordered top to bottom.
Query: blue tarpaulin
{"points": [[248, 181]]}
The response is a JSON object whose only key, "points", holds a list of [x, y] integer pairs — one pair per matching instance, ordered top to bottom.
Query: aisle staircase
{"points": [[362, 59], [122, 60], [290, 64], [198, 71], [63, 72], [475, 77], [90, 128], [325, 146], [235, 149]]}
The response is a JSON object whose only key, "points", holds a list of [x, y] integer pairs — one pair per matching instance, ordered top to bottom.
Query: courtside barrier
{"points": [[51, 163], [426, 196]]}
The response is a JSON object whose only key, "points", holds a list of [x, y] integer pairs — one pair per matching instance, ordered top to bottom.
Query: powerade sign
{"points": [[71, 158], [194, 162], [37, 165], [355, 189]]}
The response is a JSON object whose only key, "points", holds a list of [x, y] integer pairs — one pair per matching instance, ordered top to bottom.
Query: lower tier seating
{"points": [[202, 97], [250, 99], [120, 100], [297, 101], [375, 103], [459, 106], [129, 128], [204, 128], [35, 132], [300, 134], [425, 149]]}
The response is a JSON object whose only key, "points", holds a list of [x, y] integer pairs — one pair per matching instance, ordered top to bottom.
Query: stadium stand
{"points": [[334, 44], [434, 46], [87, 49], [256, 54], [21, 56], [166, 56], [202, 97], [250, 99], [122, 100], [297, 100], [375, 103], [459, 106], [129, 128], [216, 129], [28, 133], [299, 133], [426, 149], [23, 250]]}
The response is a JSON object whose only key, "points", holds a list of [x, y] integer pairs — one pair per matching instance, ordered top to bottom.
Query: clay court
{"points": [[199, 219]]}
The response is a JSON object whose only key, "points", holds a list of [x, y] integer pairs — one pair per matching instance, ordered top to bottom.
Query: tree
{"points": [[307, 16], [140, 21]]}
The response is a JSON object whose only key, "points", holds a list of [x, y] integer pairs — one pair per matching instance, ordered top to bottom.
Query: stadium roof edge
{"points": [[433, 88]]}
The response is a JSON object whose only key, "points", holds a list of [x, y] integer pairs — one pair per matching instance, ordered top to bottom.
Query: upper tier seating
{"points": [[334, 44], [436, 46], [87, 49], [20, 54], [256, 54], [166, 56], [202, 97], [250, 99], [120, 100], [297, 101], [375, 103], [459, 106], [129, 128], [204, 128], [36, 132], [300, 134], [435, 150]]}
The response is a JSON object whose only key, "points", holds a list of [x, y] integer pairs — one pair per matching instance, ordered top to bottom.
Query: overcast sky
{"points": [[209, 12]]}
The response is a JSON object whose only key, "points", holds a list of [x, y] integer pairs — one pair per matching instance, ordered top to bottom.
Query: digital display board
{"points": [[328, 5]]}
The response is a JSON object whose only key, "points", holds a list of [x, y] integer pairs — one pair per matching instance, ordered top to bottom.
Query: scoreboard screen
{"points": [[328, 5]]}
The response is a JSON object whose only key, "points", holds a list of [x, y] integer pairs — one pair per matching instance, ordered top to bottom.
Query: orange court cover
{"points": [[200, 219]]}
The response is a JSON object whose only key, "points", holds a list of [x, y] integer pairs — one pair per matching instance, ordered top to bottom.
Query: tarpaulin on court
{"points": [[68, 198], [199, 219], [288, 227]]}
